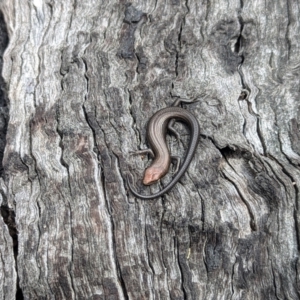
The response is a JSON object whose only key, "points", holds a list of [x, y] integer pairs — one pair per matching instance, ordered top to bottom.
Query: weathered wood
{"points": [[83, 78], [8, 233]]}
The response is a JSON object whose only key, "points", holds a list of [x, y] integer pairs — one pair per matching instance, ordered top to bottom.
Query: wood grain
{"points": [[82, 79]]}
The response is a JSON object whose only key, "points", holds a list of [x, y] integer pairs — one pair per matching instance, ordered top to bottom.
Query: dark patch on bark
{"points": [[175, 2], [132, 17], [222, 36], [249, 38], [171, 42], [126, 49], [143, 60], [64, 69], [243, 95], [116, 105], [4, 113], [44, 120], [295, 135], [14, 164], [209, 169], [109, 175], [258, 180], [267, 189], [7, 213], [9, 216], [195, 232], [213, 251], [247, 252], [217, 256], [251, 265], [64, 283], [110, 289], [268, 293], [19, 294]]}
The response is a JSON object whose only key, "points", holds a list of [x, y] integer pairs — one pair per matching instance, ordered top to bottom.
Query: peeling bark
{"points": [[82, 78]]}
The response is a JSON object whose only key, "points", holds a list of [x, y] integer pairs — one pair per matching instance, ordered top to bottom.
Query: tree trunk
{"points": [[82, 80]]}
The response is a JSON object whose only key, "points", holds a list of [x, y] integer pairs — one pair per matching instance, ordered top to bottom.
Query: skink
{"points": [[156, 136]]}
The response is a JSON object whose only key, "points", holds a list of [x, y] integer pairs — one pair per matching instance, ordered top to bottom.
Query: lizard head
{"points": [[152, 175]]}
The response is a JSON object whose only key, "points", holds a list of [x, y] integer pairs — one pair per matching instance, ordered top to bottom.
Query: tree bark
{"points": [[82, 80]]}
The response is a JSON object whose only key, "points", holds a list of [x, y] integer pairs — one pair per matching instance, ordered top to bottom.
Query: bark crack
{"points": [[178, 51], [246, 90], [136, 130], [260, 135], [95, 149], [8, 215], [252, 224], [297, 224], [176, 246], [119, 271], [232, 279], [274, 280]]}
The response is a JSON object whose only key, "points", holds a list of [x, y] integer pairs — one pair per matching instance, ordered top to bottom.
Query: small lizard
{"points": [[156, 136]]}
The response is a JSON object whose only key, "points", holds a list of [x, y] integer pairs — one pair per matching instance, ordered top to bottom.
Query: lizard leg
{"points": [[181, 100], [142, 152]]}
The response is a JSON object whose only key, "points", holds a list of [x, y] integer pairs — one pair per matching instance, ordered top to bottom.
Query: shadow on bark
{"points": [[7, 214]]}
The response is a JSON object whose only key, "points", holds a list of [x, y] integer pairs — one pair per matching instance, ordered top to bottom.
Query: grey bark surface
{"points": [[82, 79]]}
